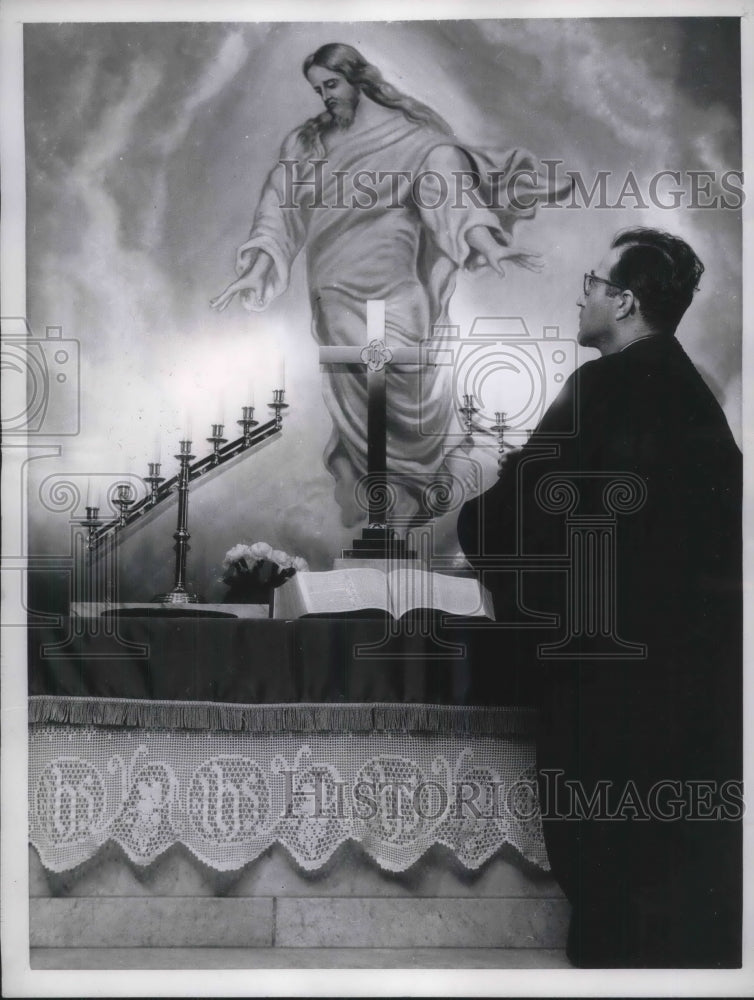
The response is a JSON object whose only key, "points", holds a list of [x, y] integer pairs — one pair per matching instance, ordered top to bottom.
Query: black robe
{"points": [[645, 890]]}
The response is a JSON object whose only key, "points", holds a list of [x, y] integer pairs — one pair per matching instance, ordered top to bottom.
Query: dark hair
{"points": [[349, 63], [661, 270]]}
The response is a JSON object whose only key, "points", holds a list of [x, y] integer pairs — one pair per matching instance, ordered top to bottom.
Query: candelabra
{"points": [[278, 404], [469, 410], [216, 440], [160, 489], [179, 594]]}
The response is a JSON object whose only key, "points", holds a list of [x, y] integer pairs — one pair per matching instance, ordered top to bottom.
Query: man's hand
{"points": [[497, 256], [252, 286]]}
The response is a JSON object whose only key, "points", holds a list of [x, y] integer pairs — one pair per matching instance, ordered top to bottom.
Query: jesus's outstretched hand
{"points": [[496, 255], [252, 285]]}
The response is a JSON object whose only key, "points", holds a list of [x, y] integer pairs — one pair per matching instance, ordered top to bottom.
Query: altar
{"points": [[355, 786]]}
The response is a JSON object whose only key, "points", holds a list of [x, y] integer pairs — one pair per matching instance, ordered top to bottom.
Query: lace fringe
{"points": [[309, 718]]}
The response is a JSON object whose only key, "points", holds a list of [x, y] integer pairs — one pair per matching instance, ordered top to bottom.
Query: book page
{"points": [[410, 588], [414, 588], [344, 590], [460, 595]]}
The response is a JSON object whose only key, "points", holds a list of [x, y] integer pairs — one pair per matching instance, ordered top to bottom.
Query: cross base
{"points": [[379, 543], [176, 596]]}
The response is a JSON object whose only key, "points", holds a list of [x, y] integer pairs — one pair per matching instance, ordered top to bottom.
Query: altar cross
{"points": [[376, 357]]}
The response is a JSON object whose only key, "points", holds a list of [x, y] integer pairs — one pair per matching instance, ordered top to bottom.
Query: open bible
{"points": [[366, 590]]}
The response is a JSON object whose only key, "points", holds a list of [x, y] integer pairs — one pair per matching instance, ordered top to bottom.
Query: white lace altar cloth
{"points": [[227, 796]]}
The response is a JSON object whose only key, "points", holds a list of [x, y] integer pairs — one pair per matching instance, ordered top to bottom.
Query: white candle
{"points": [[375, 319], [281, 372], [250, 393], [187, 425], [157, 449]]}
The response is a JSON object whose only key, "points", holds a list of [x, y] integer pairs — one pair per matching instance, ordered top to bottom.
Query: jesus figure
{"points": [[389, 205]]}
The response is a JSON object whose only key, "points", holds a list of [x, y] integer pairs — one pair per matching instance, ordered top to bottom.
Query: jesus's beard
{"points": [[343, 112]]}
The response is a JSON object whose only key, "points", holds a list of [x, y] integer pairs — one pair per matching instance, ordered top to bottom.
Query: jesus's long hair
{"points": [[349, 62]]}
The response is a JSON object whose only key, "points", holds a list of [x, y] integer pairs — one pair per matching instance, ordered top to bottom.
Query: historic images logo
{"points": [[308, 184], [501, 364], [40, 381], [41, 402], [392, 798]]}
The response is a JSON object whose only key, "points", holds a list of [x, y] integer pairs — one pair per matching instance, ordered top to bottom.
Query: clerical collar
{"points": [[638, 340]]}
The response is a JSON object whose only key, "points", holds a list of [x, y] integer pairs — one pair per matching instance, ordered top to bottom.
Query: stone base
{"points": [[178, 903], [298, 958]]}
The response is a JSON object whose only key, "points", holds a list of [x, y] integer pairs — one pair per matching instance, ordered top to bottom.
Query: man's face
{"points": [[340, 98], [597, 309]]}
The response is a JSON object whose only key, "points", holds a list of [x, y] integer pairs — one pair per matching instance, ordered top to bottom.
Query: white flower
{"points": [[260, 550], [236, 554]]}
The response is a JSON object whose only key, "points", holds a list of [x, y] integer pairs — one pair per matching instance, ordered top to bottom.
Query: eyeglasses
{"points": [[589, 280]]}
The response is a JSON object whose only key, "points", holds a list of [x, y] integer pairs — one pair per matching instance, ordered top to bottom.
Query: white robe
{"points": [[395, 249]]}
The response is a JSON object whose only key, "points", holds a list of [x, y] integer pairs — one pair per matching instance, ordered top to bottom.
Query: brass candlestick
{"points": [[278, 404], [469, 410], [247, 422], [500, 427], [217, 439], [155, 480], [123, 501], [91, 522], [179, 594]]}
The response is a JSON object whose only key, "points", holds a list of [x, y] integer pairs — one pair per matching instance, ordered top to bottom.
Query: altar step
{"points": [[352, 905], [137, 922], [298, 958]]}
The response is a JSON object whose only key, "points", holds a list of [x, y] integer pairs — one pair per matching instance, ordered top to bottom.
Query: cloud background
{"points": [[148, 144]]}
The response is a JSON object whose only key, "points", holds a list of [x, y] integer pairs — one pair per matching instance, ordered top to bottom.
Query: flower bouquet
{"points": [[252, 572]]}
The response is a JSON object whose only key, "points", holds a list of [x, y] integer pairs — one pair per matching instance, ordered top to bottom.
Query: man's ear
{"points": [[626, 304]]}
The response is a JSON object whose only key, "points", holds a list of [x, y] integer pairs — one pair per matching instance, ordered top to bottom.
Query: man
{"points": [[389, 206], [639, 758]]}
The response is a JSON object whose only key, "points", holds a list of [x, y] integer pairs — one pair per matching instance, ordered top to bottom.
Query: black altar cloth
{"points": [[254, 662]]}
